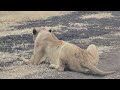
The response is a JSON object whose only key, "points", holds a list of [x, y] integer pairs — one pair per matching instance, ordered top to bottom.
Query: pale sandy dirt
{"points": [[81, 28]]}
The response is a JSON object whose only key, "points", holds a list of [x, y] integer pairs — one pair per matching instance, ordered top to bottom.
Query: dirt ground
{"points": [[81, 28]]}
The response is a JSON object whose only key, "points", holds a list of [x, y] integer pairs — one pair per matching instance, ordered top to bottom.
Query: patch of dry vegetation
{"points": [[97, 16]]}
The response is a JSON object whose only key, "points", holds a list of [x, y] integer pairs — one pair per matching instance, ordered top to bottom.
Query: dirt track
{"points": [[80, 28]]}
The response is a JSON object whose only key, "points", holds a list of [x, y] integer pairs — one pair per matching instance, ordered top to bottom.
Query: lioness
{"points": [[61, 54]]}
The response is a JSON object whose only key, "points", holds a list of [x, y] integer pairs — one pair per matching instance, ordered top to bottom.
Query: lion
{"points": [[62, 54]]}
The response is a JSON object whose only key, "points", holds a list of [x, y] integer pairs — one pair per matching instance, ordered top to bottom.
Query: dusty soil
{"points": [[80, 28]]}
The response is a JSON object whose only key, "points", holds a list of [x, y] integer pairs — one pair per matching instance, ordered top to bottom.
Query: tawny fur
{"points": [[61, 53]]}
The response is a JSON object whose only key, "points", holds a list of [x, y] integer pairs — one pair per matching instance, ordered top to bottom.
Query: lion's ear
{"points": [[50, 30], [34, 31]]}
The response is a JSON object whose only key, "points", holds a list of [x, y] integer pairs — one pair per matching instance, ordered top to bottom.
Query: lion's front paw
{"points": [[52, 66], [59, 68]]}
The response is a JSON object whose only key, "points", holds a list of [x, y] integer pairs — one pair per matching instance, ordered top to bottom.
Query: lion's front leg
{"points": [[36, 57]]}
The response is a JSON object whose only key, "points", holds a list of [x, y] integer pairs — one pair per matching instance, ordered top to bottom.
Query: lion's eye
{"points": [[50, 30]]}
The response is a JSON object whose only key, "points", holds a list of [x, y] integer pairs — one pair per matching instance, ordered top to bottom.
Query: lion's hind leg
{"points": [[93, 51], [80, 69]]}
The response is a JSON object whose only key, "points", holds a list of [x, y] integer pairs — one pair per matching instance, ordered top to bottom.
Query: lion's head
{"points": [[36, 31], [48, 32]]}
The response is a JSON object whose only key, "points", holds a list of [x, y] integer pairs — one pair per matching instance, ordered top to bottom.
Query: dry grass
{"points": [[18, 16], [97, 16], [8, 18], [79, 26], [23, 31], [104, 49], [18, 72]]}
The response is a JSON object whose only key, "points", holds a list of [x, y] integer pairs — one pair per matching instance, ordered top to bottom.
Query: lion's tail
{"points": [[92, 49], [95, 70]]}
